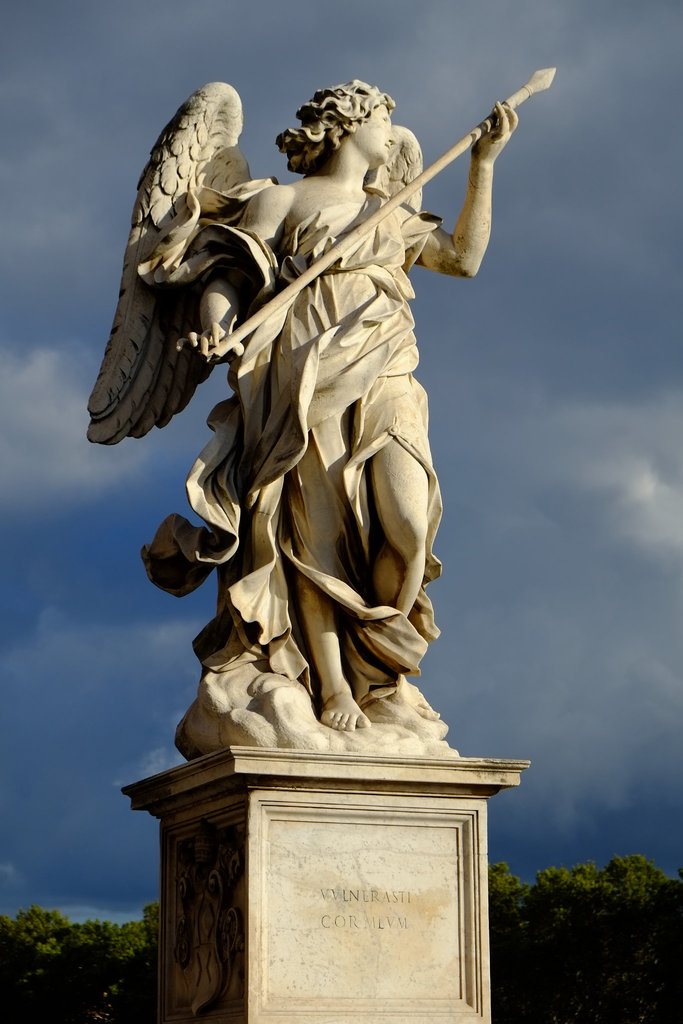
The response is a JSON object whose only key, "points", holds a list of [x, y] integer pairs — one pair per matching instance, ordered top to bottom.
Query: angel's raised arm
{"points": [[461, 253]]}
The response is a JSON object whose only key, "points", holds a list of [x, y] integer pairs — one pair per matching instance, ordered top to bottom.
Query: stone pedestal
{"points": [[331, 889]]}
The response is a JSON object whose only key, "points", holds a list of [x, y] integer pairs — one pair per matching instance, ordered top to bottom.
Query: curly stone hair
{"points": [[325, 120]]}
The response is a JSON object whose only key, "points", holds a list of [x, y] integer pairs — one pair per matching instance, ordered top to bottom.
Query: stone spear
{"points": [[539, 81]]}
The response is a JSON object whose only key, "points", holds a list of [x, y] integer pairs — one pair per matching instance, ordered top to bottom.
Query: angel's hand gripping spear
{"points": [[232, 343]]}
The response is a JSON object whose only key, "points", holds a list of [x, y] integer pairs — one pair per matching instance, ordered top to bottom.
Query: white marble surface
{"points": [[317, 489], [362, 890], [367, 905]]}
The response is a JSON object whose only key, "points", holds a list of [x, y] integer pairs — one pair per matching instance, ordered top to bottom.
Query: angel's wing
{"points": [[404, 164], [144, 380]]}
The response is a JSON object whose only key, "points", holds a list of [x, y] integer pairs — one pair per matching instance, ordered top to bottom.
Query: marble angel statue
{"points": [[317, 488]]}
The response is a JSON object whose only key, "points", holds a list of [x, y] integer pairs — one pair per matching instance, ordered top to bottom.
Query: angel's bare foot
{"points": [[341, 712]]}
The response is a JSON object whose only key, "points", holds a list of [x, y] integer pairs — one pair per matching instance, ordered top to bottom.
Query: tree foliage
{"points": [[587, 945], [582, 946], [53, 970]]}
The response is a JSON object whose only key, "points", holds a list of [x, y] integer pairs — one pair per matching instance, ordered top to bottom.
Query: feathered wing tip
{"points": [[403, 166], [144, 380]]}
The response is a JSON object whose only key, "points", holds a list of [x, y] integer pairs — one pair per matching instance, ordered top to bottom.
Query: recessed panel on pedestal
{"points": [[366, 910]]}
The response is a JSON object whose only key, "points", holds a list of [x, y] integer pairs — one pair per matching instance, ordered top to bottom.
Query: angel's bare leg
{"points": [[401, 492], [339, 709]]}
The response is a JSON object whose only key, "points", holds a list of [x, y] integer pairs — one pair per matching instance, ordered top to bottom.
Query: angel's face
{"points": [[373, 137]]}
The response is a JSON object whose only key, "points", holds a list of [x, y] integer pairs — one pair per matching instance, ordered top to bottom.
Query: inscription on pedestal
{"points": [[363, 907]]}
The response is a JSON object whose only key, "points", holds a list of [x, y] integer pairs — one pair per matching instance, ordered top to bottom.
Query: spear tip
{"points": [[541, 79]]}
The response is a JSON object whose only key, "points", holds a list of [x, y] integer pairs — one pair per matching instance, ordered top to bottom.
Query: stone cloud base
{"points": [[334, 889]]}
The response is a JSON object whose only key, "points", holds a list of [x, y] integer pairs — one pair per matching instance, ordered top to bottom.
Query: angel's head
{"points": [[331, 115]]}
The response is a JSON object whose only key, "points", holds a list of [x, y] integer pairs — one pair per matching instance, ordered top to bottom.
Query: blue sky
{"points": [[556, 400]]}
